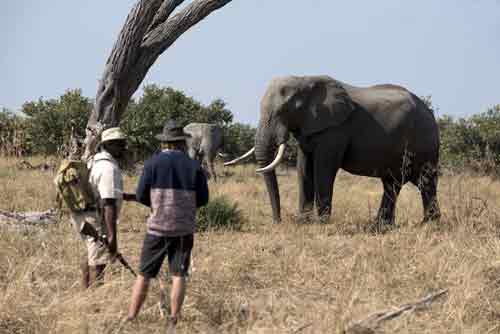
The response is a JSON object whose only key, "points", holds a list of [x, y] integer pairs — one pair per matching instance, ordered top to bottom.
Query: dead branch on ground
{"points": [[24, 164], [29, 218], [373, 321]]}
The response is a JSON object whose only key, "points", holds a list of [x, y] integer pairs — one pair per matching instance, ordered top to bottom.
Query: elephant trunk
{"points": [[265, 143]]}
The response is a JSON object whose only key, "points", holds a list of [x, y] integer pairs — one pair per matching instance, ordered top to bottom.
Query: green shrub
{"points": [[50, 122], [219, 214]]}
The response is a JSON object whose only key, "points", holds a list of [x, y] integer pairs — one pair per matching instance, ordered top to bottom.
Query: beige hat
{"points": [[112, 134]]}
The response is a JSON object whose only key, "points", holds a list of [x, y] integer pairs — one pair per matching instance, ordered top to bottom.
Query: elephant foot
{"points": [[432, 216], [307, 217], [324, 219], [430, 219], [276, 221], [385, 221], [381, 227]]}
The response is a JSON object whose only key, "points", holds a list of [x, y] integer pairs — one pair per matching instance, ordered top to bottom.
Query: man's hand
{"points": [[129, 197], [110, 216], [112, 246]]}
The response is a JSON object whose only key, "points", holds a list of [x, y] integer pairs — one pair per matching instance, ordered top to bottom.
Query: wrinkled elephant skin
{"points": [[383, 131]]}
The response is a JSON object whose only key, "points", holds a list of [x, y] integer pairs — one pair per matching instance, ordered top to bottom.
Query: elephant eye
{"points": [[283, 91]]}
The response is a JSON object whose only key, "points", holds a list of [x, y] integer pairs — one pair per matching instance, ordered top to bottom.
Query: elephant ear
{"points": [[329, 105]]}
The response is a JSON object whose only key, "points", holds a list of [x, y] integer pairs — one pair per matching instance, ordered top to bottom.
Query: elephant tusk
{"points": [[244, 156], [276, 162]]}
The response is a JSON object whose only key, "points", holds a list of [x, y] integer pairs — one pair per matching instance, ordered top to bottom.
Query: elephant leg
{"points": [[202, 158], [326, 166], [211, 167], [305, 177], [427, 184], [324, 192], [386, 212]]}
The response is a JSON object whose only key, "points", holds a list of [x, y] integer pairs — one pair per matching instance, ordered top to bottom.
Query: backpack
{"points": [[73, 186]]}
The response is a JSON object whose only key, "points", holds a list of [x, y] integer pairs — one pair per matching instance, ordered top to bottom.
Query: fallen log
{"points": [[44, 166], [30, 217], [373, 321]]}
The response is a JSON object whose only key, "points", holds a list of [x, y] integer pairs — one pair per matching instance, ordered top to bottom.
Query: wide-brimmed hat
{"points": [[172, 132], [112, 134]]}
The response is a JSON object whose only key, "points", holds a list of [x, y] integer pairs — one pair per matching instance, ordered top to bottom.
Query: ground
{"points": [[287, 278]]}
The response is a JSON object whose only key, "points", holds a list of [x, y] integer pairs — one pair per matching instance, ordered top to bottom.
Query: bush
{"points": [[50, 122], [13, 130], [238, 139], [471, 142], [219, 214]]}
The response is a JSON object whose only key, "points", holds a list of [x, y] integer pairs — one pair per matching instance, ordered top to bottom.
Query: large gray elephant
{"points": [[382, 131], [205, 142]]}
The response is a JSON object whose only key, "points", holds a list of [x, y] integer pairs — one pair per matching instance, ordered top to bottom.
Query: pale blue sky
{"points": [[449, 49]]}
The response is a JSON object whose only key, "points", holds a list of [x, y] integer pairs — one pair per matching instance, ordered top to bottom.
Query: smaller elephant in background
{"points": [[205, 141]]}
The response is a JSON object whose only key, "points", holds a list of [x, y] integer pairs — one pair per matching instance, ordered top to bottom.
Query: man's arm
{"points": [[109, 192], [143, 193], [110, 214]]}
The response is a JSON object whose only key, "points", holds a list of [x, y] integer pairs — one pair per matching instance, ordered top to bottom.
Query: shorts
{"points": [[156, 248], [97, 253]]}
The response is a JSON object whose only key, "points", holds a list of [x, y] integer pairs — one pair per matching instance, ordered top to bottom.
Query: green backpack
{"points": [[73, 186]]}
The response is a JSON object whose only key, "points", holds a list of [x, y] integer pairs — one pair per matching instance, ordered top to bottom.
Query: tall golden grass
{"points": [[287, 278]]}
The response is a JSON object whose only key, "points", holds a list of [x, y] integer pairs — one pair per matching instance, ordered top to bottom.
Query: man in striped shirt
{"points": [[173, 186]]}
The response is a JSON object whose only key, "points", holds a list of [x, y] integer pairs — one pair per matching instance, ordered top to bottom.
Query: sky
{"points": [[449, 49]]}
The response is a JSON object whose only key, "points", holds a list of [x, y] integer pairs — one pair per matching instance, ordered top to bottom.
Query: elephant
{"points": [[382, 131], [204, 142]]}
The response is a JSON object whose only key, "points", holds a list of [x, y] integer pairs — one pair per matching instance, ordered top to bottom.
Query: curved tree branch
{"points": [[166, 9], [148, 32], [161, 37]]}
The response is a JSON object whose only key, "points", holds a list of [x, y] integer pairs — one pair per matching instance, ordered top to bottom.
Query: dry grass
{"points": [[288, 278]]}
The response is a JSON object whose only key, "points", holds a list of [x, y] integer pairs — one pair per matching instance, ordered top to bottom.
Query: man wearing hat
{"points": [[107, 184], [174, 186]]}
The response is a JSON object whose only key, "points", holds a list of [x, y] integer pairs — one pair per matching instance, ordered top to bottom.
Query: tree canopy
{"points": [[45, 126]]}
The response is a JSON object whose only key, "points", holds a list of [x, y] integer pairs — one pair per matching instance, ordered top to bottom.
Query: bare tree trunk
{"points": [[148, 31]]}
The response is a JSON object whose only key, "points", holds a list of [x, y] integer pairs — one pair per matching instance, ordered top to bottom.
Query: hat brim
{"points": [[164, 138]]}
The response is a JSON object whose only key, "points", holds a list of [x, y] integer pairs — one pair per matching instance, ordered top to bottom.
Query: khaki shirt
{"points": [[106, 178]]}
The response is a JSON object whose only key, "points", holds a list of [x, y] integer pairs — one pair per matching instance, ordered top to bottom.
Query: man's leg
{"points": [[77, 219], [152, 255], [98, 257], [179, 258], [93, 265], [84, 266], [91, 274], [96, 274], [139, 293], [163, 296], [177, 296]]}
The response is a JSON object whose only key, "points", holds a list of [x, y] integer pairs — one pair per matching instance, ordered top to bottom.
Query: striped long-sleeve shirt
{"points": [[173, 185]]}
